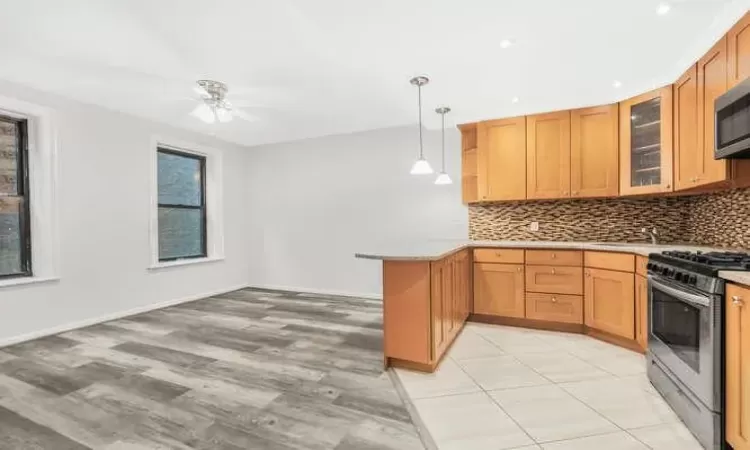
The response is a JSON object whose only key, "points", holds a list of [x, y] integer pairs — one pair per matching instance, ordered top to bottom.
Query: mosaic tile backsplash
{"points": [[721, 219]]}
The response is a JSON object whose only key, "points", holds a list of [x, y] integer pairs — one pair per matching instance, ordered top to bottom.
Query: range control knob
{"points": [[650, 266], [665, 271], [679, 276], [692, 279]]}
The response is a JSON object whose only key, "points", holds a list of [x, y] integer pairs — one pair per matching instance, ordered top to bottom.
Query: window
{"points": [[181, 216], [15, 227]]}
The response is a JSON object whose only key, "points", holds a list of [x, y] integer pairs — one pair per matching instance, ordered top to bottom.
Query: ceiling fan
{"points": [[214, 106]]}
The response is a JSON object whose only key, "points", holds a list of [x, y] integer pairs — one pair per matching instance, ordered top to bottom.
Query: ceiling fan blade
{"points": [[204, 113], [244, 115]]}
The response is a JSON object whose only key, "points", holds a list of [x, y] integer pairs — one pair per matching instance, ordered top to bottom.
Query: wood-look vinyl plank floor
{"points": [[249, 369]]}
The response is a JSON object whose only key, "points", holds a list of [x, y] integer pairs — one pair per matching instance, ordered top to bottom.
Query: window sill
{"points": [[184, 262], [21, 281]]}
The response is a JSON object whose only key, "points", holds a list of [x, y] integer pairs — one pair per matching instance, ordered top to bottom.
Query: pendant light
{"points": [[421, 166], [443, 177]]}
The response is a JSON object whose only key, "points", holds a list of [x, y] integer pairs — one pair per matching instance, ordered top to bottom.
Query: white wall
{"points": [[103, 200], [314, 203]]}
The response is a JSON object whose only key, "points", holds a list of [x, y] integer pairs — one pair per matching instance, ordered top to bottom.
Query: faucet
{"points": [[653, 234]]}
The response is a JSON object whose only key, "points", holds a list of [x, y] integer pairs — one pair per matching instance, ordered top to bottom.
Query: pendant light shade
{"points": [[421, 166], [443, 177]]}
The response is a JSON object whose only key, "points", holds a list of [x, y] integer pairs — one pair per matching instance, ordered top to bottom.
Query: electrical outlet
{"points": [[534, 226]]}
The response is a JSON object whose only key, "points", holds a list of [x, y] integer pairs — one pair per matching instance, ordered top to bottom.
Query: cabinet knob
{"points": [[667, 186], [565, 193], [498, 254], [554, 256], [519, 269], [553, 271], [588, 274], [554, 300], [737, 301]]}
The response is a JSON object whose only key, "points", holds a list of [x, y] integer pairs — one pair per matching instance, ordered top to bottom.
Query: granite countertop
{"points": [[430, 250], [737, 277]]}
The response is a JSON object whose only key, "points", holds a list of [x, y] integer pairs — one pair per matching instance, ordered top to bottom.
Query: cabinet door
{"points": [[738, 44], [712, 83], [646, 143], [594, 146], [688, 154], [548, 155], [502, 159], [469, 163], [498, 290], [437, 299], [449, 299], [609, 302], [641, 311], [738, 367]]}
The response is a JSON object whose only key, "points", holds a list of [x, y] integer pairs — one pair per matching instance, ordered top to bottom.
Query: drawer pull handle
{"points": [[737, 301]]}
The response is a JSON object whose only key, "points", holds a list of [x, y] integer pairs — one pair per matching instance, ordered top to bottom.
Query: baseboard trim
{"points": [[273, 287], [114, 316]]}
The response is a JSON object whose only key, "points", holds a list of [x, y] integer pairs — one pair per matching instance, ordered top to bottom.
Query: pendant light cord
{"points": [[419, 101]]}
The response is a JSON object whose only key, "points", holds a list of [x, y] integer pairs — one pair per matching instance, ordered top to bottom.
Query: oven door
{"points": [[684, 335]]}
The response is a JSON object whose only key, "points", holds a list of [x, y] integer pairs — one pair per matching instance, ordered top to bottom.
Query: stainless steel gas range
{"points": [[685, 342]]}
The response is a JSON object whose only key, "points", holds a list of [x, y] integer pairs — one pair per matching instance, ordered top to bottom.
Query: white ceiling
{"points": [[320, 67]]}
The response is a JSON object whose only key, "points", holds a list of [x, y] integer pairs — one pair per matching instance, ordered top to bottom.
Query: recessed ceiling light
{"points": [[663, 8], [505, 43], [617, 83], [515, 99]]}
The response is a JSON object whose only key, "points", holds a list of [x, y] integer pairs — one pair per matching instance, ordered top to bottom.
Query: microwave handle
{"points": [[695, 299]]}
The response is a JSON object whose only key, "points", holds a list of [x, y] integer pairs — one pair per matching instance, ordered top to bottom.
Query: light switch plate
{"points": [[534, 226]]}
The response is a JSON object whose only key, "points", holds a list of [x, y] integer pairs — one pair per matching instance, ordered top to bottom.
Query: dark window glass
{"points": [[182, 205], [15, 239]]}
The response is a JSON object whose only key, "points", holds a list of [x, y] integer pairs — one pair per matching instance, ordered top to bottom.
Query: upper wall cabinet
{"points": [[738, 45], [646, 143], [594, 152], [548, 155], [502, 159], [469, 163], [689, 164]]}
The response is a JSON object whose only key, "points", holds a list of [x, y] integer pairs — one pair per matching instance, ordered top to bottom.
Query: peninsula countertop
{"points": [[434, 249]]}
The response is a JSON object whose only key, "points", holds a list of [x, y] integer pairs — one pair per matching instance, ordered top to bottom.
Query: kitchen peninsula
{"points": [[431, 288]]}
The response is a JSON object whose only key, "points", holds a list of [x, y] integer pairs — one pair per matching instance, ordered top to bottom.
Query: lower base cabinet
{"points": [[499, 289], [610, 301], [425, 305], [554, 307], [641, 312], [738, 367]]}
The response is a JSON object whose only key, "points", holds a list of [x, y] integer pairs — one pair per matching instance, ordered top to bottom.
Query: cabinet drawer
{"points": [[498, 255], [554, 257], [624, 262], [640, 265], [554, 279], [554, 307]]}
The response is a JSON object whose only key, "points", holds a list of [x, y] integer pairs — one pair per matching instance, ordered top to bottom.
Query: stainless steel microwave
{"points": [[733, 123]]}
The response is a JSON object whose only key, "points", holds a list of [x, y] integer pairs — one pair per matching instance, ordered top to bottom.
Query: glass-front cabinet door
{"points": [[646, 143]]}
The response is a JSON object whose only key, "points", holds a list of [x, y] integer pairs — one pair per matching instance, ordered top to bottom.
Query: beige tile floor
{"points": [[513, 388]]}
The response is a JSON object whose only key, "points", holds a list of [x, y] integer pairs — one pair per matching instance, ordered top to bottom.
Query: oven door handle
{"points": [[682, 295]]}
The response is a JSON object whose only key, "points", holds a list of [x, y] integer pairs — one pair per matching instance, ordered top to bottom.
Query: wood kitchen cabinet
{"points": [[738, 45], [646, 143], [594, 147], [548, 155], [502, 159], [469, 163], [689, 164], [499, 289], [609, 301], [425, 305], [641, 312], [738, 367]]}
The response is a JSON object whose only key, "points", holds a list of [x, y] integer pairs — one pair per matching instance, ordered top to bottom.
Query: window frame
{"points": [[23, 191], [203, 207]]}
